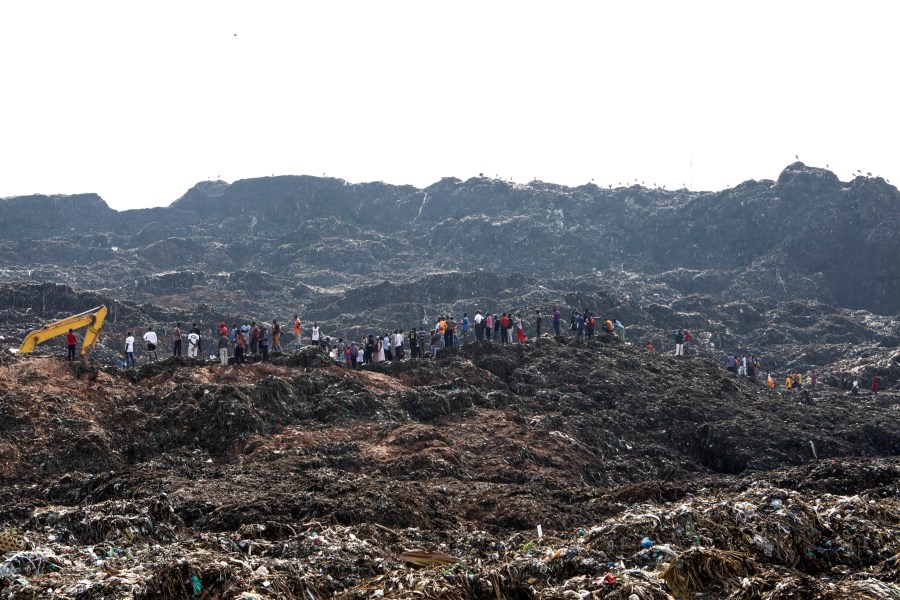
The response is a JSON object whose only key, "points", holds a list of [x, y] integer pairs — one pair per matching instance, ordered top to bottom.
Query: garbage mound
{"points": [[552, 469]]}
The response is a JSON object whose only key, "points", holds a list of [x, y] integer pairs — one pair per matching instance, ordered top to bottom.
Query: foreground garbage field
{"points": [[549, 470]]}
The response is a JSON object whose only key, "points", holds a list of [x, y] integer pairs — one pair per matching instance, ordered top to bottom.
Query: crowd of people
{"points": [[259, 339]]}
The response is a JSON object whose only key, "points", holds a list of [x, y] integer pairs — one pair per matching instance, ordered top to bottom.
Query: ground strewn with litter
{"points": [[549, 470]]}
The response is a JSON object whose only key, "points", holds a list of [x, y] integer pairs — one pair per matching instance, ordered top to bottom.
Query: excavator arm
{"points": [[92, 319]]}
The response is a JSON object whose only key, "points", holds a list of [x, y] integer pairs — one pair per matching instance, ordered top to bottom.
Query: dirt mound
{"points": [[551, 469]]}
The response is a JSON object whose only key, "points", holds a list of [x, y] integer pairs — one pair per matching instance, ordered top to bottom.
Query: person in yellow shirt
{"points": [[788, 381]]}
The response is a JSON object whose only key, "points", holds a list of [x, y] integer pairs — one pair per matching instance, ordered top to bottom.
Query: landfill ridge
{"points": [[551, 469]]}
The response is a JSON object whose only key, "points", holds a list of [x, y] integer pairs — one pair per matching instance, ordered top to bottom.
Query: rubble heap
{"points": [[548, 470]]}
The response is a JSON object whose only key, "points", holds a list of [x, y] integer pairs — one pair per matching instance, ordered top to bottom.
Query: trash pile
{"points": [[552, 470]]}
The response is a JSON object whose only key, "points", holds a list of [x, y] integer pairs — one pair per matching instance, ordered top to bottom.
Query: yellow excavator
{"points": [[92, 319]]}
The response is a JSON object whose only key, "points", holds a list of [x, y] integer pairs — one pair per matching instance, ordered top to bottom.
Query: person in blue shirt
{"points": [[619, 329]]}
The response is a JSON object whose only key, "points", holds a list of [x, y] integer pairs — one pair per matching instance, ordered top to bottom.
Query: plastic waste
{"points": [[646, 542], [763, 544], [197, 584]]}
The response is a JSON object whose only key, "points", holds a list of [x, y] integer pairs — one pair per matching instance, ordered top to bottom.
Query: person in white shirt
{"points": [[315, 334], [150, 338], [193, 344], [398, 344], [129, 351]]}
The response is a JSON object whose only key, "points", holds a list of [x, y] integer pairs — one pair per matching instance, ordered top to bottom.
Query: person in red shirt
{"points": [[504, 328], [687, 338], [71, 340], [874, 387]]}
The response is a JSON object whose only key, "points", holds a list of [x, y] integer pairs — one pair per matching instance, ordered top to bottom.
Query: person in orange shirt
{"points": [[297, 329]]}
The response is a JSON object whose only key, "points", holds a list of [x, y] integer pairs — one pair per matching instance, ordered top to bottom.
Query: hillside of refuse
{"points": [[551, 469]]}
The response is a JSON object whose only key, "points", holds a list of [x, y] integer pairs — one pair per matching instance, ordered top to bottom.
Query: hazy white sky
{"points": [[137, 102]]}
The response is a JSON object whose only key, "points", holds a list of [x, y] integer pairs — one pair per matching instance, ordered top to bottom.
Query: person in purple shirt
{"points": [[556, 318]]}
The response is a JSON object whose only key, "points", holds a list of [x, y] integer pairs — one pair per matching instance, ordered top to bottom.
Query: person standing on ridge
{"points": [[557, 317], [537, 323], [589, 324], [479, 326], [579, 326], [488, 327], [464, 328], [195, 329], [245, 329], [297, 330], [619, 330], [449, 331], [520, 331], [315, 334], [276, 336], [413, 337], [150, 338], [176, 338], [687, 338], [254, 339], [423, 341], [71, 342], [194, 343], [224, 343], [264, 343], [435, 343], [679, 343], [398, 345], [388, 346], [240, 347], [368, 348], [376, 349], [129, 351], [874, 387]]}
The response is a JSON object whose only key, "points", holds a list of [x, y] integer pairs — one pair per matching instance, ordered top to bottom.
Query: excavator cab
{"points": [[92, 319]]}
